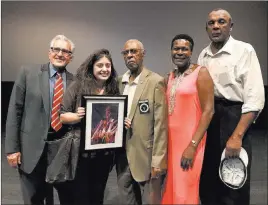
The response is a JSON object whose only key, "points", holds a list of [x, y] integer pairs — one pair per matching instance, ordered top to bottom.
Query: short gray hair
{"points": [[64, 38], [136, 41]]}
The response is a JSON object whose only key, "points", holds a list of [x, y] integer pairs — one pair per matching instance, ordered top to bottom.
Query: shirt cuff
{"points": [[252, 109]]}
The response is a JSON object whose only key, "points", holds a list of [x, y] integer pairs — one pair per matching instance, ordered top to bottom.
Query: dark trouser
{"points": [[91, 177], [35, 189], [212, 190], [131, 191]]}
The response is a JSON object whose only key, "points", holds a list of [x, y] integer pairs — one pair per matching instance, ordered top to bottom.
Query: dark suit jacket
{"points": [[28, 117]]}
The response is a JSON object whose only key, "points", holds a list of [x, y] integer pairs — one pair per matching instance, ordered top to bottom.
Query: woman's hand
{"points": [[80, 112], [73, 117], [127, 122], [188, 157]]}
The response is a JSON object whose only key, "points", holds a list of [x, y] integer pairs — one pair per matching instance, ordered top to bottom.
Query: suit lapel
{"points": [[69, 78], [121, 85], [44, 87], [140, 87]]}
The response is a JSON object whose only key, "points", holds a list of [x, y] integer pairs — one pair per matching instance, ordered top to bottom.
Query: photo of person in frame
{"points": [[104, 123]]}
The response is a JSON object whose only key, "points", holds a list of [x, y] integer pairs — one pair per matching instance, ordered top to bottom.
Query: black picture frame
{"points": [[103, 124]]}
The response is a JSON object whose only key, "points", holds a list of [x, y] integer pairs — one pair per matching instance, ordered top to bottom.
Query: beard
{"points": [[133, 67]]}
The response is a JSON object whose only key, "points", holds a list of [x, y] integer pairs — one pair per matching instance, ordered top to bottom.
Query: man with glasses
{"points": [[33, 119], [140, 164]]}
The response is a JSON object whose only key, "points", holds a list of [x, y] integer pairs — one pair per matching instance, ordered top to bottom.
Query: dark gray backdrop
{"points": [[28, 27]]}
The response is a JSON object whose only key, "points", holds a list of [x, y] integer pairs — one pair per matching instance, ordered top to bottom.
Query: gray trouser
{"points": [[35, 189], [133, 192]]}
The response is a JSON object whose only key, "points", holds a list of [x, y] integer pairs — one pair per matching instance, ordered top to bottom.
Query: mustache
{"points": [[61, 58]]}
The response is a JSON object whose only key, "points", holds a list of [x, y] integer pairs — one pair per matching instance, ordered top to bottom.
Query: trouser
{"points": [[91, 177], [35, 189], [212, 189], [131, 191]]}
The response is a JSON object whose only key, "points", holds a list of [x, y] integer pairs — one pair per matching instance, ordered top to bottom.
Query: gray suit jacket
{"points": [[28, 117]]}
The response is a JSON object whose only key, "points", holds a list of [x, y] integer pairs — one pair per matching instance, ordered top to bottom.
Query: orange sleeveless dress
{"points": [[182, 187]]}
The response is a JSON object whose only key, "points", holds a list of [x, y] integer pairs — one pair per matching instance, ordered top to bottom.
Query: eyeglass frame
{"points": [[62, 50], [132, 51]]}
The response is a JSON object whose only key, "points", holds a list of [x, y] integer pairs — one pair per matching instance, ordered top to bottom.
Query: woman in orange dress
{"points": [[190, 97]]}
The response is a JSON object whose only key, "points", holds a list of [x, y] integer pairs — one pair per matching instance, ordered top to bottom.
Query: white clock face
{"points": [[233, 172]]}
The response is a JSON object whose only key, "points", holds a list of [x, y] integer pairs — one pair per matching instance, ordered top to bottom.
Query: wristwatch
{"points": [[194, 143]]}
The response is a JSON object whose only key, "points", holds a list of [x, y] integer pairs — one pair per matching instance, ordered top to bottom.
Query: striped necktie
{"points": [[57, 99]]}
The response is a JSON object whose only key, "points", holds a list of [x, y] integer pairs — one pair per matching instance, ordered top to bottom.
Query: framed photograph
{"points": [[103, 124]]}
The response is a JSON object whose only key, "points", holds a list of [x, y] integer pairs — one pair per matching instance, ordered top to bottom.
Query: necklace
{"points": [[175, 84], [100, 91]]}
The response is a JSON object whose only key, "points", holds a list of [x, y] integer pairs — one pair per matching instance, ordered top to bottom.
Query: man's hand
{"points": [[234, 143], [233, 147], [14, 159], [156, 173]]}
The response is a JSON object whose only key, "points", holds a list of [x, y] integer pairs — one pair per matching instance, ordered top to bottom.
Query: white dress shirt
{"points": [[236, 74], [130, 88]]}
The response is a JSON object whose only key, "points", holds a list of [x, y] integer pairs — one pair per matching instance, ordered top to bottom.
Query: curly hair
{"points": [[185, 37], [86, 81]]}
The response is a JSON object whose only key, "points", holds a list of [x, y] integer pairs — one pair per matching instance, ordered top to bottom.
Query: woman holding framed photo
{"points": [[95, 76]]}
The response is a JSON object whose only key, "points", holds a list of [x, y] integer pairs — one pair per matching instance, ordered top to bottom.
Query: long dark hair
{"points": [[85, 79]]}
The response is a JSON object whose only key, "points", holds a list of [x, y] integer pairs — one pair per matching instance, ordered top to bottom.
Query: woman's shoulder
{"points": [[202, 69], [74, 86]]}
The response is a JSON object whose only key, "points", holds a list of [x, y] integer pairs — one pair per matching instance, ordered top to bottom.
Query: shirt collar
{"points": [[227, 48], [53, 70], [126, 76]]}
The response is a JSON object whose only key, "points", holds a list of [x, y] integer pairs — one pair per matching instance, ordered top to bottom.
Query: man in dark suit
{"points": [[33, 119]]}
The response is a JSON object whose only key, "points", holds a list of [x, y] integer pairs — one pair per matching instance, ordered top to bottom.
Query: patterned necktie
{"points": [[57, 99]]}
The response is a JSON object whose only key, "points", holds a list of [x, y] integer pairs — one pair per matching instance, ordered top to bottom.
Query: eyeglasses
{"points": [[63, 51], [131, 51]]}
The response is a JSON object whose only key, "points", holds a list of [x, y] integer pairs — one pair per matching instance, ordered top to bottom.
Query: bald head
{"points": [[223, 12], [140, 45]]}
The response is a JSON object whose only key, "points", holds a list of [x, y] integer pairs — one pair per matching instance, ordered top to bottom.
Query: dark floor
{"points": [[11, 193]]}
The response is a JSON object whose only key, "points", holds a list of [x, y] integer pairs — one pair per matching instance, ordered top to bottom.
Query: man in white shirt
{"points": [[239, 98], [140, 164]]}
